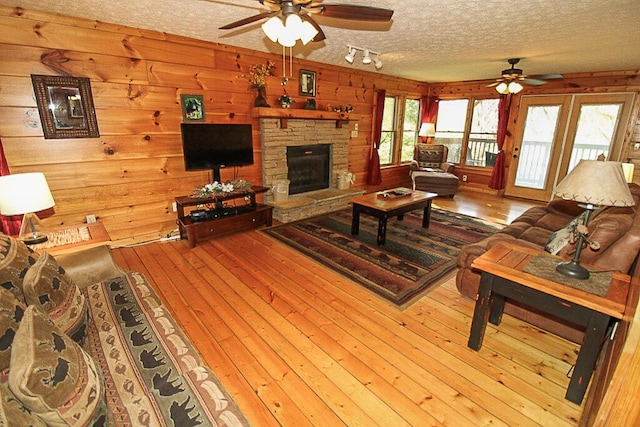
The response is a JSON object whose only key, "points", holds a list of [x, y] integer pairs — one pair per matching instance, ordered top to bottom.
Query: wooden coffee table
{"points": [[390, 203]]}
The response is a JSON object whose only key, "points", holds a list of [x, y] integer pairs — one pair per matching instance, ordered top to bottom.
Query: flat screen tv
{"points": [[215, 146]]}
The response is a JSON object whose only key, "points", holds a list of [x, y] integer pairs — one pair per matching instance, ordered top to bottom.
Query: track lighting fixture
{"points": [[350, 56], [366, 58]]}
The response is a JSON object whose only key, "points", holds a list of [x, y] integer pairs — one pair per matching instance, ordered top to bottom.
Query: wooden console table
{"points": [[503, 276]]}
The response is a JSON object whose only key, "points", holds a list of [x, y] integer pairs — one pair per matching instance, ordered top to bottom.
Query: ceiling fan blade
{"points": [[352, 12], [249, 20], [320, 36], [548, 76], [533, 82], [494, 84]]}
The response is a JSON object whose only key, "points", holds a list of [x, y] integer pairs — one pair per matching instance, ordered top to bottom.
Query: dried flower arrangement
{"points": [[258, 74], [218, 188]]}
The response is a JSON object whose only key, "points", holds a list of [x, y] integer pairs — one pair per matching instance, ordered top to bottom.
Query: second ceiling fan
{"points": [[298, 13], [511, 79]]}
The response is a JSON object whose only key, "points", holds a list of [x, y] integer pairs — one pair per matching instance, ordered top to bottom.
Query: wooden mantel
{"points": [[299, 114]]}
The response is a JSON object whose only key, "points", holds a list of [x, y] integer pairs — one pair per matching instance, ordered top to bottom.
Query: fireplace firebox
{"points": [[308, 167]]}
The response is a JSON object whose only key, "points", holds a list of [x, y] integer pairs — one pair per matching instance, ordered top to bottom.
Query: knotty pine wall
{"points": [[129, 176]]}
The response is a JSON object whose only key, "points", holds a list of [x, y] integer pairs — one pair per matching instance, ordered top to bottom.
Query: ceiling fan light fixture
{"points": [[293, 24], [273, 27], [307, 32], [287, 39], [366, 59], [515, 87], [502, 88]]}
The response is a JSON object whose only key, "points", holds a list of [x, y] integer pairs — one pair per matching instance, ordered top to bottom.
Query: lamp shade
{"points": [[427, 130], [596, 183], [24, 193]]}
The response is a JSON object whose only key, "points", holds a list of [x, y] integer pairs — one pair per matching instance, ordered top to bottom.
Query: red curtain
{"points": [[429, 109], [374, 176], [498, 181], [8, 224]]}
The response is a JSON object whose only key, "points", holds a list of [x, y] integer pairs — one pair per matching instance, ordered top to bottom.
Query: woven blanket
{"points": [[153, 375]]}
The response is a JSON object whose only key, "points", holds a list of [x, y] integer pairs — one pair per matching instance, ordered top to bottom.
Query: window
{"points": [[400, 125], [470, 142]]}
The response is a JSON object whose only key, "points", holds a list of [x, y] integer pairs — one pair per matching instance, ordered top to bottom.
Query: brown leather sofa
{"points": [[616, 229]]}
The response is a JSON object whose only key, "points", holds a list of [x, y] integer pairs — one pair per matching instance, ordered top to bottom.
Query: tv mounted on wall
{"points": [[215, 146]]}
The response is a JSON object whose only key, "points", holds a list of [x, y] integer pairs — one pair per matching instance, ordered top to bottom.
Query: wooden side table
{"points": [[98, 235], [503, 276]]}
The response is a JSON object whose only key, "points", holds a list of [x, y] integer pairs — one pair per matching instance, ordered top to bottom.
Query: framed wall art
{"points": [[307, 83], [65, 105], [192, 108]]}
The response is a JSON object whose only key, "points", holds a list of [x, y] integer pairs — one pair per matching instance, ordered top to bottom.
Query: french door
{"points": [[554, 133]]}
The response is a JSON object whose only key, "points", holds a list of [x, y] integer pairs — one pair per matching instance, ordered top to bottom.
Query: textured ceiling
{"points": [[427, 40]]}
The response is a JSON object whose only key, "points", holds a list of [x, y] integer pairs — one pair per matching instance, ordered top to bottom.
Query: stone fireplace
{"points": [[304, 134]]}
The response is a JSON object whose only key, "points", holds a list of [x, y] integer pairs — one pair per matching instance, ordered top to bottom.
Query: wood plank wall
{"points": [[129, 176]]}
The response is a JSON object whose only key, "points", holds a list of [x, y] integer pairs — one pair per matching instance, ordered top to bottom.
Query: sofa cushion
{"points": [[15, 260], [47, 286], [11, 312], [53, 377], [13, 412]]}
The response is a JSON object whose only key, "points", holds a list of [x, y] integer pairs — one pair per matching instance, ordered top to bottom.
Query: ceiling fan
{"points": [[303, 9], [511, 78]]}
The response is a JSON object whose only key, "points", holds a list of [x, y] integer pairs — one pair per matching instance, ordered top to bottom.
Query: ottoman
{"points": [[441, 183]]}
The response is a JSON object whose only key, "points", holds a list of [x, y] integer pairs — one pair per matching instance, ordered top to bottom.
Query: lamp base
{"points": [[32, 230], [572, 269]]}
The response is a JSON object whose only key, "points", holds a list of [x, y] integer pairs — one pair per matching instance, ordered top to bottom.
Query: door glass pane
{"points": [[452, 116], [410, 129], [388, 130], [595, 132], [537, 141]]}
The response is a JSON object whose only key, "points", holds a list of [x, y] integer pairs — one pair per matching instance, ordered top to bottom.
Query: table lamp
{"points": [[427, 130], [594, 184], [26, 193]]}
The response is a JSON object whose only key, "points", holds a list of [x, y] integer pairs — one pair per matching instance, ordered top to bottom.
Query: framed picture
{"points": [[307, 83], [66, 107], [192, 108]]}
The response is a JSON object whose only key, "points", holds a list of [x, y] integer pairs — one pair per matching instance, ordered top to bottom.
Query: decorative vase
{"points": [[261, 99]]}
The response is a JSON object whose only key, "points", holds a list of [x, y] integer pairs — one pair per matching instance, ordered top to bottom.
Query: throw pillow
{"points": [[430, 156], [558, 240], [15, 260], [47, 286], [11, 312], [53, 377], [13, 412]]}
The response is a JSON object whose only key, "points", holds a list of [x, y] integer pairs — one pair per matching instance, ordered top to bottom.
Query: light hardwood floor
{"points": [[297, 344]]}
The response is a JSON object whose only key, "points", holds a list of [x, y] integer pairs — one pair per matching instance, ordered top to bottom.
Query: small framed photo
{"points": [[307, 83], [192, 108]]}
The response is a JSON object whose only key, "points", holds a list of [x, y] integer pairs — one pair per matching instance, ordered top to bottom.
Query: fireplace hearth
{"points": [[308, 167]]}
